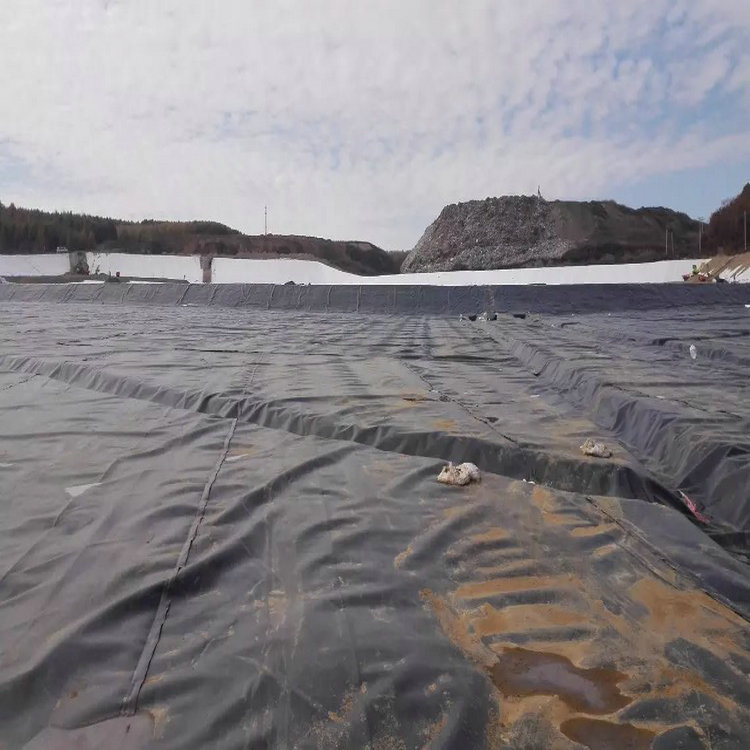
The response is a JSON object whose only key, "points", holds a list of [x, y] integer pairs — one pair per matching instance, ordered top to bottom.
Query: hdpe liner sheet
{"points": [[222, 528]]}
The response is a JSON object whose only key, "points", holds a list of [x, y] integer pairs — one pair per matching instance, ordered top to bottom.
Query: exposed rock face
{"points": [[515, 231]]}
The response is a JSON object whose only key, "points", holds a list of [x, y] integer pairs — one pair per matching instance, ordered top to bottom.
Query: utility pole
{"points": [[265, 219], [745, 231], [672, 233], [700, 238], [666, 243]]}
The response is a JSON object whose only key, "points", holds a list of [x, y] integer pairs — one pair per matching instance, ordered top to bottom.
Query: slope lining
{"points": [[415, 300]]}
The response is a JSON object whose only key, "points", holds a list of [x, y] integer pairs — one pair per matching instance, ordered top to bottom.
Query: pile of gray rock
{"points": [[519, 231]]}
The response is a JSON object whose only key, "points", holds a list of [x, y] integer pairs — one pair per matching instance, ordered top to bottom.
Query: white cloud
{"points": [[358, 119]]}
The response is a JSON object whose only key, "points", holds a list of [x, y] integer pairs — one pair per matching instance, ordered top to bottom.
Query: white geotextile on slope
{"points": [[48, 264], [179, 267], [280, 271]]}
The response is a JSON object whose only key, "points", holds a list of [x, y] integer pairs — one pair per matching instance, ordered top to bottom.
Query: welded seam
{"points": [[182, 296], [525, 353], [95, 380], [20, 382], [457, 402], [630, 529], [349, 633], [130, 702]]}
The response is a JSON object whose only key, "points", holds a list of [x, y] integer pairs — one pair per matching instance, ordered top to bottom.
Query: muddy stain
{"points": [[410, 400], [447, 425], [543, 499], [585, 531], [493, 535], [401, 557], [493, 587], [683, 608], [524, 618], [458, 629], [519, 672], [159, 716], [433, 732], [596, 734]]}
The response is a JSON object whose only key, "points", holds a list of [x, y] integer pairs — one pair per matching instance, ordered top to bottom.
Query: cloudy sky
{"points": [[362, 119]]}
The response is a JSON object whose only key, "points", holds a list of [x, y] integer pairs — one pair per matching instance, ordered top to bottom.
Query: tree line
{"points": [[726, 228], [24, 230], [30, 231]]}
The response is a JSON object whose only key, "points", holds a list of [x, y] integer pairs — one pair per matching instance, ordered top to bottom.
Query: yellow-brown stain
{"points": [[411, 400], [446, 425], [543, 499], [457, 510], [552, 514], [585, 531], [493, 535], [604, 550], [402, 557], [496, 586], [683, 611], [523, 618], [631, 620], [458, 628], [546, 683], [160, 717], [334, 731], [433, 731]]}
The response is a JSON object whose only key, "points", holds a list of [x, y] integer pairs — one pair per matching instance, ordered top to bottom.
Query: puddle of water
{"points": [[79, 489], [519, 672], [596, 734]]}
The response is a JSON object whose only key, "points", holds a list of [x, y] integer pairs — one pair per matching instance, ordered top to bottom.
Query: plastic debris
{"points": [[487, 316], [693, 351], [592, 448], [459, 475], [693, 508]]}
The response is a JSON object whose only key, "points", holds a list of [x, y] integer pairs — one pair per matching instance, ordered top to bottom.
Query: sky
{"points": [[361, 120]]}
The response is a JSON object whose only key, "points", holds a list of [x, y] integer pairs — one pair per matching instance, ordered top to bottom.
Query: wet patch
{"points": [[519, 672], [597, 734]]}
